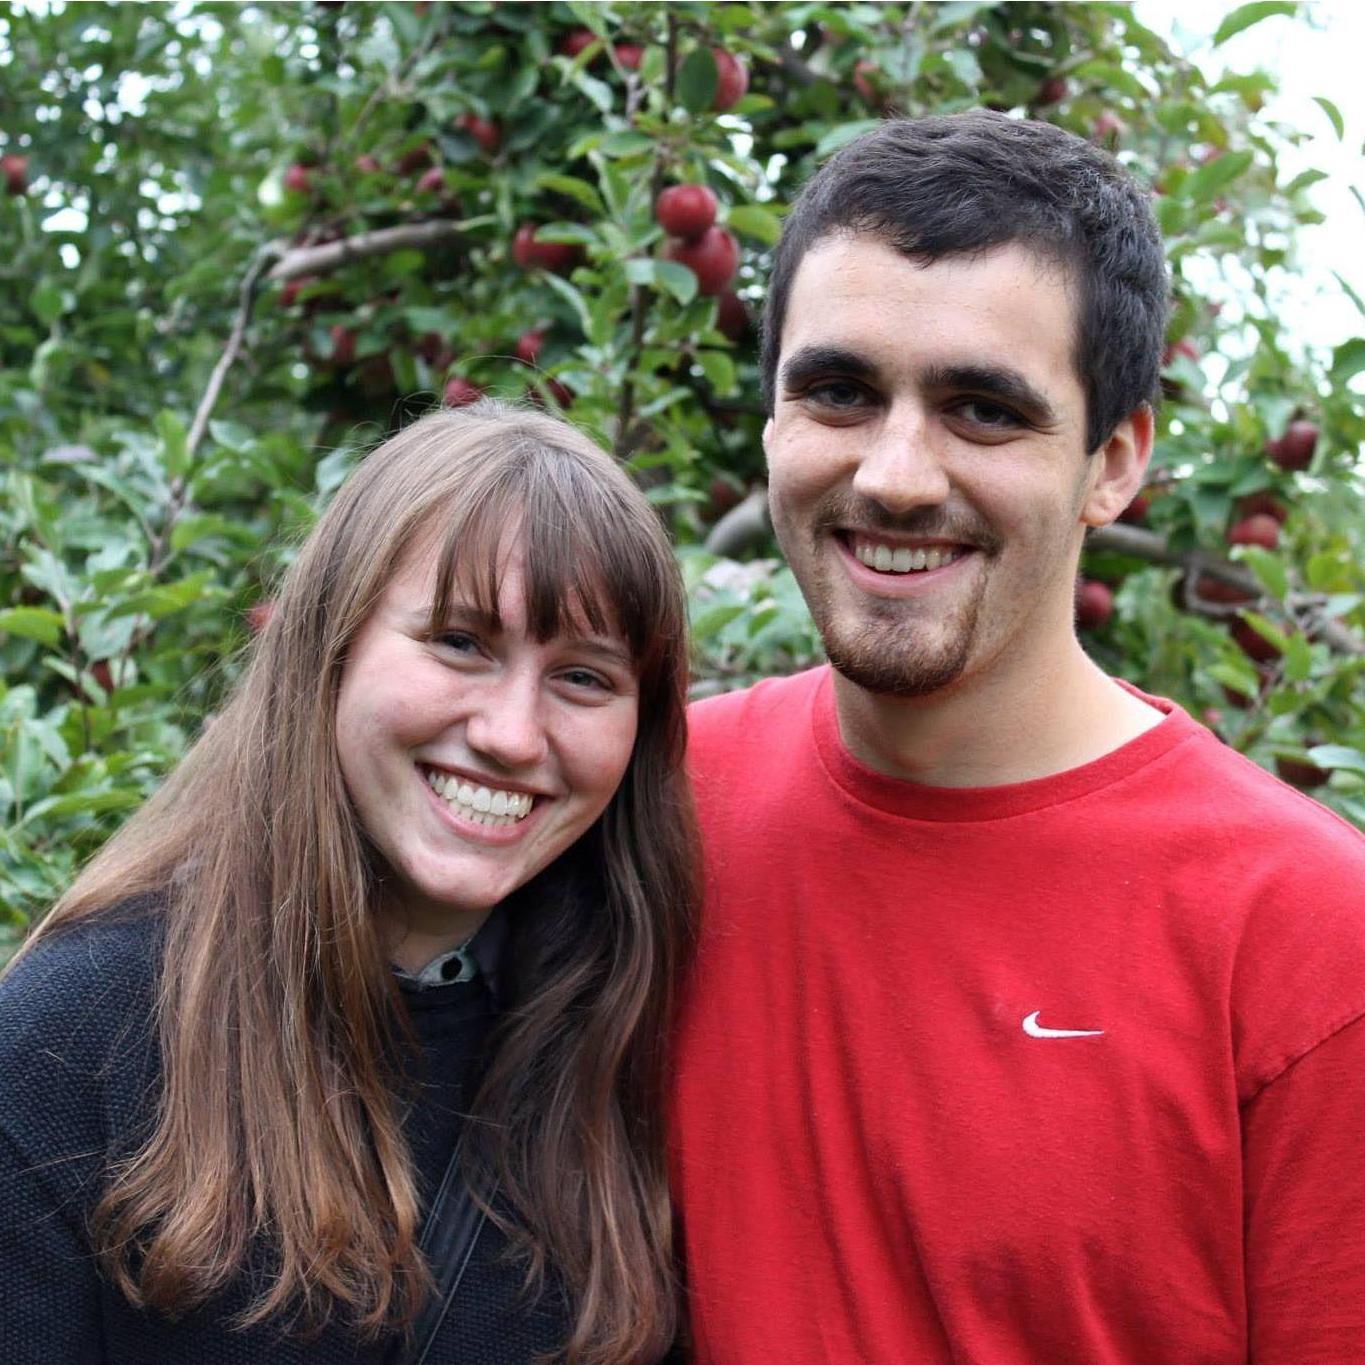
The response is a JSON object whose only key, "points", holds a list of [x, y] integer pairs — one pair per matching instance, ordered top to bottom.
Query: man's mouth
{"points": [[887, 558], [479, 804]]}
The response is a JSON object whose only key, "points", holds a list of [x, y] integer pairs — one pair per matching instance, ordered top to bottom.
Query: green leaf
{"points": [[1246, 15], [697, 79], [1333, 114], [843, 133], [1204, 184], [573, 188], [759, 223], [677, 279], [46, 302], [1348, 360], [719, 370], [175, 454], [1268, 568], [713, 619], [33, 623], [1298, 659], [1337, 756]]}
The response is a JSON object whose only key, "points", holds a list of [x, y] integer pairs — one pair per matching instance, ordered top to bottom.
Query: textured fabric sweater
{"points": [[78, 1079]]}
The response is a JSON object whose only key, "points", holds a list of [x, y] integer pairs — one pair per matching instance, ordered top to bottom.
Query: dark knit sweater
{"points": [[78, 1079]]}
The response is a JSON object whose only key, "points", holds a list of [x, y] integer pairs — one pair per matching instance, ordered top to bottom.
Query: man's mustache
{"points": [[928, 523]]}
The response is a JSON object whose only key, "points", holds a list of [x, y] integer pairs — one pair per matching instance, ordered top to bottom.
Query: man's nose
{"points": [[901, 466], [507, 726]]}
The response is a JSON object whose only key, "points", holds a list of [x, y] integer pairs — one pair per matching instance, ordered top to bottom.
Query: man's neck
{"points": [[995, 730]]}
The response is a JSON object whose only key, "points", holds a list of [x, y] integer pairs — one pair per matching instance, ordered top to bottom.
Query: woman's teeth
{"points": [[901, 560], [481, 805]]}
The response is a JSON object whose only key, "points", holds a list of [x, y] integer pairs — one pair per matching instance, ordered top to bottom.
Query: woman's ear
{"points": [[1120, 467]]}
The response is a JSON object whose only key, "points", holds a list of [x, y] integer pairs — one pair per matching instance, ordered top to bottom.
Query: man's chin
{"points": [[892, 675]]}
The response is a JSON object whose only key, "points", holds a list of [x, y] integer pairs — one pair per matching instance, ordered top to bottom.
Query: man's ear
{"points": [[1120, 467]]}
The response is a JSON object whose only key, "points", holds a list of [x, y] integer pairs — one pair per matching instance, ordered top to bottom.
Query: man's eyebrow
{"points": [[811, 361], [993, 381]]}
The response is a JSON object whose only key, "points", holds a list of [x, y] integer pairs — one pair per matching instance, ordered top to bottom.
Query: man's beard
{"points": [[886, 649], [891, 658]]}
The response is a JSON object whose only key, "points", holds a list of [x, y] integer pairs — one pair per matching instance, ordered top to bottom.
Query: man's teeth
{"points": [[901, 560], [482, 805]]}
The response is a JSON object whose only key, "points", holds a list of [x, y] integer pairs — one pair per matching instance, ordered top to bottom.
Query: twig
{"points": [[329, 256], [625, 410], [743, 525]]}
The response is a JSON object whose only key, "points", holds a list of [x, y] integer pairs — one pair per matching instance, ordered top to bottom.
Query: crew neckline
{"points": [[920, 801]]}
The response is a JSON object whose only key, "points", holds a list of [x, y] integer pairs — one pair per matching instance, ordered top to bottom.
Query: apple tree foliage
{"points": [[243, 242]]}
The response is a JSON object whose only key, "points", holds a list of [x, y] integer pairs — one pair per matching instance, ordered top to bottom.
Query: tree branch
{"points": [[329, 256], [745, 524]]}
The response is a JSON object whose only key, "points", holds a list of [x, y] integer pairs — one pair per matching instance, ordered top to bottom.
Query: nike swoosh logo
{"points": [[1035, 1030]]}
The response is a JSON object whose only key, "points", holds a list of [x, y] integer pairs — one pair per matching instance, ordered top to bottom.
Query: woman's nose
{"points": [[508, 725]]}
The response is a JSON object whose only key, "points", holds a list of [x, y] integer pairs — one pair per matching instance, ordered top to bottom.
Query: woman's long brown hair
{"points": [[278, 1121]]}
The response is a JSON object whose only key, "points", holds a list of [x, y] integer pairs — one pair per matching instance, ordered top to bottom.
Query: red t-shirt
{"points": [[1070, 1070]]}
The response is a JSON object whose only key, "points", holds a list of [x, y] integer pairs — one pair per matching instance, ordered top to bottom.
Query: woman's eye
{"points": [[460, 641], [587, 679]]}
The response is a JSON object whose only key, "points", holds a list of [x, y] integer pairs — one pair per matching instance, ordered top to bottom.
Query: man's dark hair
{"points": [[958, 184]]}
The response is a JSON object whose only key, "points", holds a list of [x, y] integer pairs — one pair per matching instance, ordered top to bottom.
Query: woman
{"points": [[428, 874]]}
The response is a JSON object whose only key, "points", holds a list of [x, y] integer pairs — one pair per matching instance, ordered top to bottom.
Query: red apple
{"points": [[574, 42], [629, 55], [866, 76], [732, 80], [1052, 91], [1109, 125], [488, 135], [417, 159], [367, 164], [15, 170], [298, 178], [432, 181], [685, 211], [530, 254], [713, 258], [290, 293], [732, 317], [343, 344], [529, 344], [459, 393], [562, 394], [1294, 450], [1263, 504], [1135, 514], [1260, 529], [1214, 590], [1094, 603], [258, 615], [1253, 645], [103, 674], [1299, 772]]}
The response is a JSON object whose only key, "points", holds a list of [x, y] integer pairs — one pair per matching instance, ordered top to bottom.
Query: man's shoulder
{"points": [[753, 713], [1255, 809]]}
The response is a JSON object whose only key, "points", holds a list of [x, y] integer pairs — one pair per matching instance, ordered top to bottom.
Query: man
{"points": [[1029, 1021]]}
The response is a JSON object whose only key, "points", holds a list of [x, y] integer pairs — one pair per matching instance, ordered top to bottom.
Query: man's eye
{"points": [[835, 393], [982, 412]]}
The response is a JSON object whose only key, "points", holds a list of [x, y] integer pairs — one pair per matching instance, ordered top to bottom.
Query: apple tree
{"points": [[246, 241]]}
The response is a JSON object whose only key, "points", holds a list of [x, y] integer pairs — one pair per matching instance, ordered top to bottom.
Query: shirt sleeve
{"points": [[1304, 1164], [49, 1283]]}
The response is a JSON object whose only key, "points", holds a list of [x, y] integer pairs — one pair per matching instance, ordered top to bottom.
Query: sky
{"points": [[1321, 55]]}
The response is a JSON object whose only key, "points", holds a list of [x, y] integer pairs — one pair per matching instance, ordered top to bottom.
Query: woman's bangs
{"points": [[582, 569]]}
